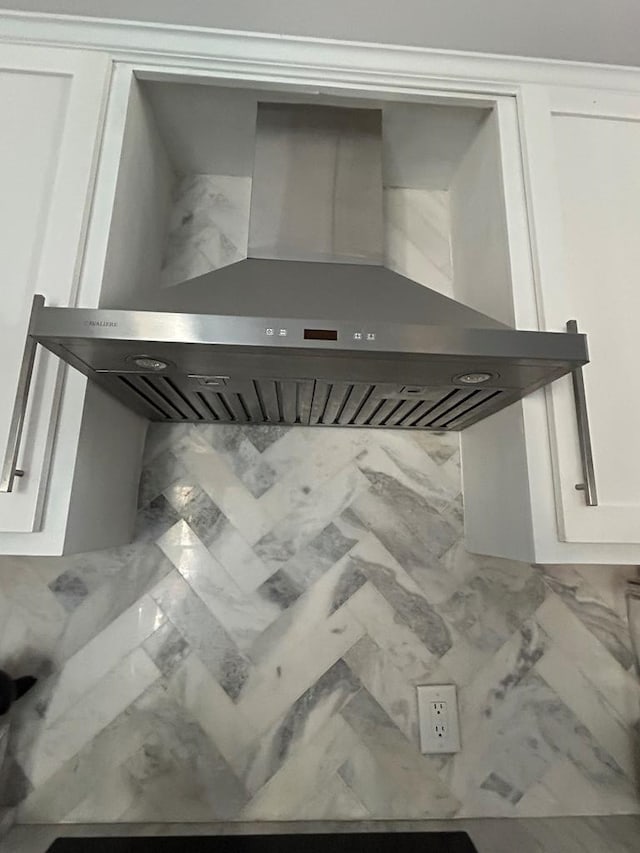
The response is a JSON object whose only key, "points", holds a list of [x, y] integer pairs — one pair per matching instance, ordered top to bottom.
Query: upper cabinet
{"points": [[52, 104], [582, 162]]}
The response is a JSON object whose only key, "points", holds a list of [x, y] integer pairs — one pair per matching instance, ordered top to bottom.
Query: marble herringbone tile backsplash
{"points": [[254, 653]]}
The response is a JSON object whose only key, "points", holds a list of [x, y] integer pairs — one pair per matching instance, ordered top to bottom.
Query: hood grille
{"points": [[304, 401]]}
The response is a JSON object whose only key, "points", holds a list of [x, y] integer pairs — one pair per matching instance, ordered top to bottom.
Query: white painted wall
{"points": [[589, 30]]}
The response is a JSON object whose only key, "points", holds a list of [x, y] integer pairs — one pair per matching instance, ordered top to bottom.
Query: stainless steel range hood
{"points": [[310, 328]]}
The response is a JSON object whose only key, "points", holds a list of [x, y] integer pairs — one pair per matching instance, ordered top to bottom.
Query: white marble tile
{"points": [[208, 227], [417, 236], [399, 458], [306, 460], [225, 489], [310, 516], [239, 559], [373, 560], [590, 604], [30, 615], [245, 617], [203, 632], [392, 636], [586, 652], [291, 655], [89, 665], [276, 669], [388, 686], [591, 707], [223, 721], [297, 727], [57, 742], [97, 762], [385, 770], [304, 775], [564, 790], [335, 799]]}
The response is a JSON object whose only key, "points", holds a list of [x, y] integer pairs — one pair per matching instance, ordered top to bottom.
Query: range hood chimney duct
{"points": [[317, 185]]}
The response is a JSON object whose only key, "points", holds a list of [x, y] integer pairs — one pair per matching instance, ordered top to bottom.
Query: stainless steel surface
{"points": [[314, 167], [324, 291], [298, 334], [243, 370], [9, 466], [588, 486]]}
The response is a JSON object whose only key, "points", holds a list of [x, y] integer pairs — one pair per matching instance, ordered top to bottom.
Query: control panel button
{"points": [[269, 332], [282, 333], [357, 336], [371, 336]]}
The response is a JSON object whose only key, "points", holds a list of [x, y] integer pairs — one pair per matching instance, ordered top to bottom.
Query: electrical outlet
{"points": [[438, 716]]}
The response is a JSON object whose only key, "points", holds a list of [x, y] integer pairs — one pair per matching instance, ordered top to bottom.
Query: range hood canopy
{"points": [[316, 232], [311, 328]]}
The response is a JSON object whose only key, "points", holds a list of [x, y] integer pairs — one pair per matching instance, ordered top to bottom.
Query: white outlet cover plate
{"points": [[428, 695]]}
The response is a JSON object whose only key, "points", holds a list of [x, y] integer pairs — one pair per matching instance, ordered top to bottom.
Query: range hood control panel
{"points": [[320, 334]]}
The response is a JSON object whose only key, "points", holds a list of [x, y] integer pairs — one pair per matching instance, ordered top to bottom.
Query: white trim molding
{"points": [[301, 60]]}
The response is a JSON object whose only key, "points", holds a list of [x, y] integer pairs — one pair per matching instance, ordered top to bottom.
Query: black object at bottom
{"points": [[349, 842]]}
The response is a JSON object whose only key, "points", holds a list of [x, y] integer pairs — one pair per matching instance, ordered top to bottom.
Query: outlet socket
{"points": [[438, 716]]}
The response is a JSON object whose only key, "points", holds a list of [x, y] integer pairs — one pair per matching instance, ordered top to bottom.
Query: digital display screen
{"points": [[320, 335]]}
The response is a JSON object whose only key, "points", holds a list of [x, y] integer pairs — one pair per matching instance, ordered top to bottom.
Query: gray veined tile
{"points": [[208, 227], [263, 436], [162, 437], [440, 446], [244, 458], [399, 459], [159, 473], [196, 508], [309, 517], [154, 519], [410, 529], [324, 551], [115, 580], [351, 580], [69, 589], [280, 589], [406, 599], [584, 601], [493, 604], [243, 615], [203, 632], [396, 641], [167, 648], [582, 653], [296, 673], [389, 687], [481, 699], [298, 725], [533, 728], [61, 738], [307, 771], [178, 773], [387, 773], [493, 782]]}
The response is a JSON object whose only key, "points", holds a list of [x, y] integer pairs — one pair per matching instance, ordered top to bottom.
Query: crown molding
{"points": [[303, 60]]}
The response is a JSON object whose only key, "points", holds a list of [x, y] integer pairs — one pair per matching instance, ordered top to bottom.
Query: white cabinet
{"points": [[52, 104], [582, 158]]}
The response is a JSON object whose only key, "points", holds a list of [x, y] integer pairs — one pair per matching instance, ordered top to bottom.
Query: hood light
{"points": [[146, 362], [477, 378]]}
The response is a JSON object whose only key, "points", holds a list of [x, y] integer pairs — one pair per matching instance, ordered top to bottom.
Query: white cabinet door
{"points": [[52, 105], [585, 162]]}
